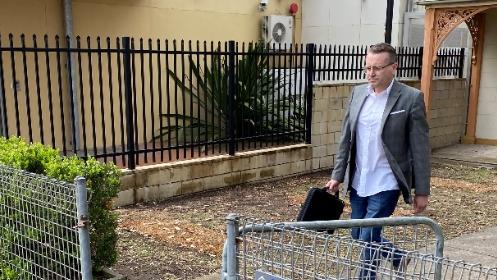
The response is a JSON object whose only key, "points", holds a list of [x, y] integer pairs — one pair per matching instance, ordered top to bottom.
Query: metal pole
{"points": [[388, 22], [311, 51], [72, 74], [231, 97], [128, 99], [3, 109], [83, 222], [230, 247]]}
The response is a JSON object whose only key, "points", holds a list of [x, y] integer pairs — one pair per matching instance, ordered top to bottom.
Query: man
{"points": [[385, 146]]}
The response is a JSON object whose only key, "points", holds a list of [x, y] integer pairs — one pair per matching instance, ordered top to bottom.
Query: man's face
{"points": [[381, 70]]}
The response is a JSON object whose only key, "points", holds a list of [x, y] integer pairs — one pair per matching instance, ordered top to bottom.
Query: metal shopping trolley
{"points": [[412, 249]]}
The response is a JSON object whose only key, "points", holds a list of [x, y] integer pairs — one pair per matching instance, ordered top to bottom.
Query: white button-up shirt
{"points": [[373, 173]]}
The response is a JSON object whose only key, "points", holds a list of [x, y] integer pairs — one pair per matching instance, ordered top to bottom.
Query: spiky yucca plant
{"points": [[262, 104]]}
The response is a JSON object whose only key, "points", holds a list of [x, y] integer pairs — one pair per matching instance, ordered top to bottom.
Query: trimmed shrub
{"points": [[102, 181]]}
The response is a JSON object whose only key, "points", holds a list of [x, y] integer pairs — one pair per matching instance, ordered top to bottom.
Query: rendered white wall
{"points": [[349, 22], [486, 124]]}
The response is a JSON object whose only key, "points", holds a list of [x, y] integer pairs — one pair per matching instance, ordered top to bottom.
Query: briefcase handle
{"points": [[337, 193]]}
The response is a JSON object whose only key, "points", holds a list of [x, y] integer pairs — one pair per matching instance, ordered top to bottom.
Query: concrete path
{"points": [[471, 154], [479, 247]]}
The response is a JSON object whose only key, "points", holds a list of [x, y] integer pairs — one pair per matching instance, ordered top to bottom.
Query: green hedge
{"points": [[102, 181]]}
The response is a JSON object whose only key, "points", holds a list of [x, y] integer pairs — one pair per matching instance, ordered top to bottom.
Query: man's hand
{"points": [[332, 186], [420, 203]]}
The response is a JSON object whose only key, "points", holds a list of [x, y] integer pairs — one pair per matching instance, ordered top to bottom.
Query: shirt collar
{"points": [[387, 91]]}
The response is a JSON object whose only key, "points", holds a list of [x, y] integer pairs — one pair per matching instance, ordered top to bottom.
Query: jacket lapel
{"points": [[392, 99]]}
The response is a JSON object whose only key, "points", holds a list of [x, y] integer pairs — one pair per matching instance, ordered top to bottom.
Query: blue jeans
{"points": [[379, 205]]}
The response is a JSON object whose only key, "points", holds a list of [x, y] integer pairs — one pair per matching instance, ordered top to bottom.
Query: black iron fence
{"points": [[346, 62], [142, 101], [136, 102]]}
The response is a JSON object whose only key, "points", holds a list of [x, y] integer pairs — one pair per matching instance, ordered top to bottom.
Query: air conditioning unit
{"points": [[277, 29]]}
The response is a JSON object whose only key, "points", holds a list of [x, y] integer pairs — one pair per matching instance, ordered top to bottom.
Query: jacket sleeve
{"points": [[419, 145], [342, 156]]}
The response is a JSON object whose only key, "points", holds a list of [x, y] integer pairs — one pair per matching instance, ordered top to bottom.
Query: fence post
{"points": [[311, 53], [461, 62], [420, 65], [231, 97], [128, 100], [3, 109], [83, 220], [231, 235]]}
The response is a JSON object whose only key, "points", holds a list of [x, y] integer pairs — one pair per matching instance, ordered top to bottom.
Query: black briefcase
{"points": [[320, 205]]}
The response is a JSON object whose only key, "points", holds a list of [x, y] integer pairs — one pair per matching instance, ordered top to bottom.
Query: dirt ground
{"points": [[182, 238]]}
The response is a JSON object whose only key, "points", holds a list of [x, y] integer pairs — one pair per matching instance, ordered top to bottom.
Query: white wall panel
{"points": [[350, 22], [486, 124]]}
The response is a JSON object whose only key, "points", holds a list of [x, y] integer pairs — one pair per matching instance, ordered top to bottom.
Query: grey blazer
{"points": [[405, 136]]}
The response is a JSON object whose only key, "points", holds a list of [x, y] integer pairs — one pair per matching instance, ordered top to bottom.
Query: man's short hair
{"points": [[384, 48]]}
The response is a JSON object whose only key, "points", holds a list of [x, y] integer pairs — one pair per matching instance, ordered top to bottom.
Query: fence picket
{"points": [[152, 94]]}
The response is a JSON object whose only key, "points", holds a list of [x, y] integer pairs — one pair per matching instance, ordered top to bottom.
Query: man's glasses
{"points": [[367, 69]]}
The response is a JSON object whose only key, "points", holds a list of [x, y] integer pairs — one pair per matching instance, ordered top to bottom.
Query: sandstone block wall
{"points": [[150, 183]]}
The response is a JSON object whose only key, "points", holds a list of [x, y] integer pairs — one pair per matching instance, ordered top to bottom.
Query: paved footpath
{"points": [[480, 155], [479, 247]]}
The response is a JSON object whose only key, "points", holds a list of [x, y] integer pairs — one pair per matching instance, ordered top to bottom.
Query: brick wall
{"points": [[330, 103], [449, 105], [447, 121], [156, 182], [150, 183]]}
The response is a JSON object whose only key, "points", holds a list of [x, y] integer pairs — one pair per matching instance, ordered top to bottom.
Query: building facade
{"points": [[211, 20], [361, 22]]}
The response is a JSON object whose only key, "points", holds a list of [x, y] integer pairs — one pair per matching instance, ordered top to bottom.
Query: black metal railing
{"points": [[344, 63], [136, 102]]}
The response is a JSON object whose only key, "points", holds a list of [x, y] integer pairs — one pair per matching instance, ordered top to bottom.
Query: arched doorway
{"points": [[441, 18]]}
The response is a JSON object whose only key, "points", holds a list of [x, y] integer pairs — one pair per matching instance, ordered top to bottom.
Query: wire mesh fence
{"points": [[39, 233], [412, 248]]}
